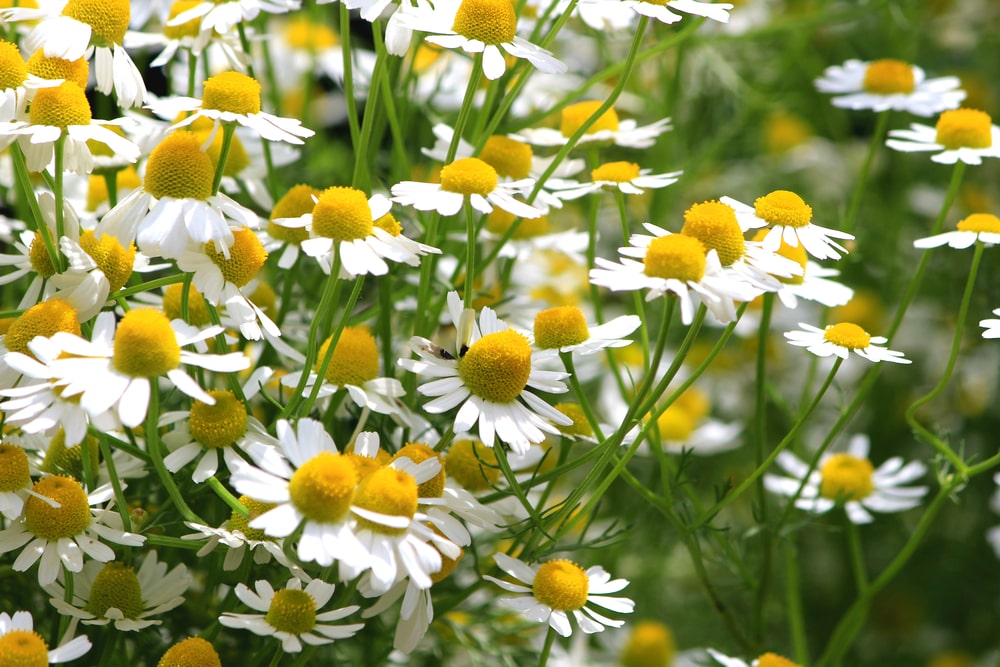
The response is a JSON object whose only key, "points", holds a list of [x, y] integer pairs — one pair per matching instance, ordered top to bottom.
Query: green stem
{"points": [[349, 95], [467, 105], [228, 130], [859, 189], [470, 254], [760, 442], [153, 446], [116, 484], [227, 497], [856, 554], [793, 605], [550, 637]]}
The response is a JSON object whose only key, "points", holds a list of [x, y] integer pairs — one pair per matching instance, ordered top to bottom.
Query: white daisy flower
{"points": [[604, 14], [224, 16], [17, 84], [887, 84], [607, 129], [960, 135], [626, 177], [790, 220], [983, 227], [31, 255], [96, 268], [812, 284], [991, 325], [564, 329], [841, 339], [486, 353], [686, 426], [15, 480], [850, 480], [58, 528], [556, 590], [114, 593], [292, 614], [20, 642], [766, 660]]}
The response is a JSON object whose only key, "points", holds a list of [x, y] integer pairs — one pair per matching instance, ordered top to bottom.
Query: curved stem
{"points": [[859, 189]]}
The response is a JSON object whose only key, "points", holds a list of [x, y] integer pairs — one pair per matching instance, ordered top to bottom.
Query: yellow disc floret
{"points": [[108, 19], [489, 21], [189, 28], [301, 33], [13, 69], [52, 69], [889, 77], [233, 92], [60, 106], [575, 115], [964, 128], [237, 158], [511, 158], [178, 168], [616, 172], [469, 176], [97, 185], [297, 202], [783, 207], [342, 214], [499, 221], [980, 222], [388, 223], [714, 224], [796, 253], [676, 256], [246, 257], [41, 260], [114, 260], [198, 314], [42, 319], [559, 327], [847, 334], [145, 344], [355, 359], [497, 366], [221, 424], [676, 424], [580, 426], [418, 452], [62, 460], [472, 464], [14, 471], [846, 477], [323, 487], [387, 491], [70, 518], [238, 522], [561, 584], [115, 587], [292, 611], [651, 644], [23, 648], [191, 652], [774, 660]]}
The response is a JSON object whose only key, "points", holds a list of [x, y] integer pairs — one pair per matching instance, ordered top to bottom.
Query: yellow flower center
{"points": [[107, 18], [489, 21], [188, 29], [301, 33], [13, 69], [75, 71], [888, 77], [233, 92], [60, 106], [575, 115], [964, 128], [784, 131], [510, 158], [236, 160], [178, 168], [616, 172], [469, 176], [97, 186], [295, 203], [783, 207], [342, 214], [499, 221], [980, 222], [388, 223], [714, 224], [796, 253], [675, 256], [39, 257], [111, 257], [246, 257], [197, 307], [42, 319], [559, 327], [847, 334], [145, 344], [355, 359], [496, 367], [676, 424], [219, 425], [580, 425], [418, 452], [62, 460], [472, 464], [14, 471], [846, 477], [323, 487], [387, 491], [238, 522], [54, 523], [561, 584], [115, 586], [292, 611], [651, 644], [23, 648], [191, 652], [774, 660]]}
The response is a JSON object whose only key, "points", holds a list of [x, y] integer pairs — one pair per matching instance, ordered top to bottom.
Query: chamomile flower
{"points": [[604, 14], [225, 15], [187, 36], [17, 82], [887, 84], [607, 129], [960, 135], [626, 177], [298, 201], [790, 220], [984, 227], [96, 269], [813, 284], [991, 326], [564, 329], [841, 339], [489, 376], [686, 426], [849, 479], [15, 480], [57, 528], [556, 590], [114, 593], [292, 614], [21, 645], [766, 660]]}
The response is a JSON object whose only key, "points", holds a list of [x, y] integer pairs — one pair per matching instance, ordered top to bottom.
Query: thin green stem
{"points": [[349, 94], [228, 130], [859, 189], [470, 254], [153, 446], [116, 484], [856, 555], [793, 605], [543, 657]]}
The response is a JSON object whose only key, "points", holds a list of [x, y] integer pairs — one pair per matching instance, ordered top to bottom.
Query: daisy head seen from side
{"points": [[881, 85], [960, 135], [984, 227], [841, 339]]}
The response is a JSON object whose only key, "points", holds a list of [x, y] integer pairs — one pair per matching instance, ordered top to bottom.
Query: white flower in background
{"points": [[605, 14], [225, 15], [887, 84], [607, 129], [960, 135], [626, 177], [984, 227], [991, 325], [564, 329], [841, 339], [15, 480], [765, 660]]}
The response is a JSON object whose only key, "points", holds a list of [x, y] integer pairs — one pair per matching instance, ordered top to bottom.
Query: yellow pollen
{"points": [[108, 19], [489, 21], [188, 29], [301, 33], [13, 69], [75, 71], [889, 77], [233, 92], [60, 106], [575, 115], [964, 128], [510, 158], [236, 160], [178, 168], [616, 172], [469, 176], [97, 186], [295, 203], [783, 207], [342, 214], [499, 221], [980, 222], [388, 223], [714, 224], [796, 253], [675, 256], [246, 257], [111, 258], [40, 259], [197, 307], [42, 319], [559, 327], [847, 334], [145, 344], [355, 359], [496, 367], [676, 424], [219, 425], [580, 425], [418, 452], [62, 460], [472, 464], [14, 471], [846, 477], [323, 487], [387, 491], [238, 522], [54, 523], [562, 585], [115, 586], [292, 611], [651, 644], [23, 648], [191, 652], [774, 660]]}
